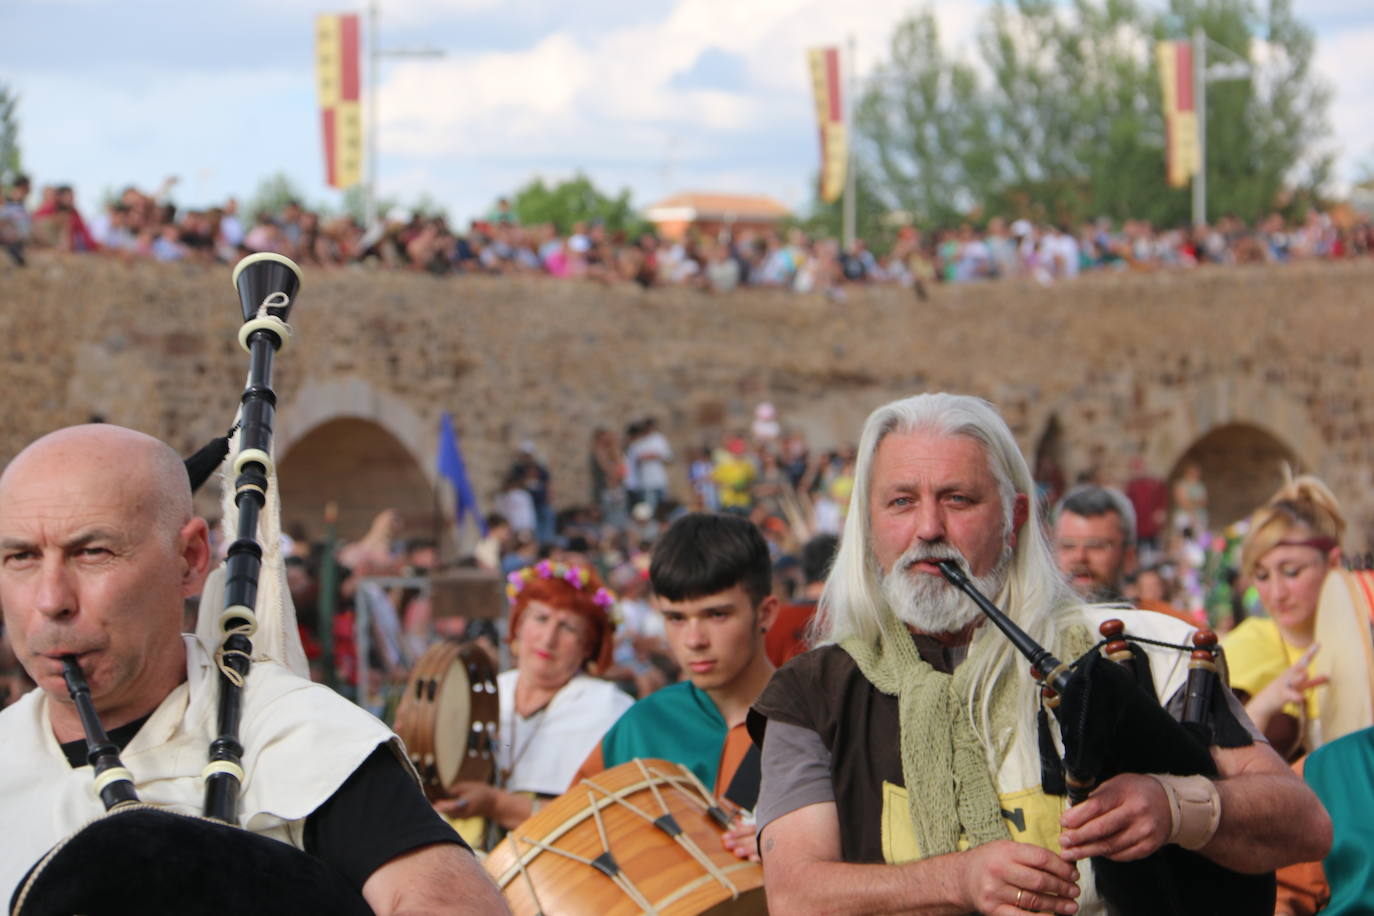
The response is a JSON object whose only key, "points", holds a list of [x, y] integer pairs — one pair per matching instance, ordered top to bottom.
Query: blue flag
{"points": [[450, 462]]}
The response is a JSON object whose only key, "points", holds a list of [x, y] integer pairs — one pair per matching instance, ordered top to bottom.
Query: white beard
{"points": [[929, 603]]}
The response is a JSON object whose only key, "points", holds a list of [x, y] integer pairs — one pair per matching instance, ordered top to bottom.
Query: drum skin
{"points": [[447, 717], [536, 874]]}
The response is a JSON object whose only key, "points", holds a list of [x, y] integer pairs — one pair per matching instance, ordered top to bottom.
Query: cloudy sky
{"points": [[653, 95]]}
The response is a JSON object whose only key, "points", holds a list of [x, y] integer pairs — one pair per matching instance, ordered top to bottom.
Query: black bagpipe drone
{"points": [[1111, 722], [142, 859]]}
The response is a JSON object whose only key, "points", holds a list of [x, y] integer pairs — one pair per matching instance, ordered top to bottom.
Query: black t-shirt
{"points": [[377, 814]]}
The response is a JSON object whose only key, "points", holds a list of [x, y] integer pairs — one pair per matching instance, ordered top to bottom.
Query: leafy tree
{"points": [[1073, 112], [1068, 125], [921, 127], [1268, 134], [10, 163], [1364, 172], [272, 194], [1362, 194], [572, 201], [354, 204], [428, 205], [877, 221]]}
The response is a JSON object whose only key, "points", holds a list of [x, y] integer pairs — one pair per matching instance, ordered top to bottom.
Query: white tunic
{"points": [[301, 742], [544, 752]]}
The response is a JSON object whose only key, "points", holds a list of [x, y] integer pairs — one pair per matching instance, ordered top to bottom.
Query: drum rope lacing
{"points": [[680, 837], [605, 863], [524, 873]]}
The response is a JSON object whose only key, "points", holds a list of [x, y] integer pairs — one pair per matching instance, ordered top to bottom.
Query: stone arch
{"points": [[321, 400], [1173, 420], [1160, 422], [1071, 429], [342, 439], [1047, 463], [1242, 466], [361, 467]]}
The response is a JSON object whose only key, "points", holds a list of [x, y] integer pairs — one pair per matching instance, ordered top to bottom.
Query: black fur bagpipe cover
{"points": [[1111, 723], [145, 860]]}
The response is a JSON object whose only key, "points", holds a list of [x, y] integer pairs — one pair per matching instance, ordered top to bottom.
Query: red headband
{"points": [[1322, 543]]}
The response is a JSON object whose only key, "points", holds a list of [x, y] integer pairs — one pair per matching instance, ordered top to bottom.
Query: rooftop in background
{"points": [[709, 205], [710, 212]]}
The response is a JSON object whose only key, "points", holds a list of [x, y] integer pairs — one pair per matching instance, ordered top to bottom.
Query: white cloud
{"points": [[404, 13], [1346, 60], [548, 90], [609, 96], [606, 101], [212, 130]]}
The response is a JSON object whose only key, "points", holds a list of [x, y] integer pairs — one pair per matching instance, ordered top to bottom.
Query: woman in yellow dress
{"points": [[1292, 545]]}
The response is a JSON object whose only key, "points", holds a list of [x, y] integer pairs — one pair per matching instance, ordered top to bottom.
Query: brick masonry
{"points": [[1235, 367]]}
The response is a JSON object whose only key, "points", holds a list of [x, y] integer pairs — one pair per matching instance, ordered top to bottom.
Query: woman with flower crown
{"points": [[553, 707]]}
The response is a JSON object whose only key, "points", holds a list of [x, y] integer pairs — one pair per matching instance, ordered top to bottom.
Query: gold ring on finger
{"points": [[1019, 892]]}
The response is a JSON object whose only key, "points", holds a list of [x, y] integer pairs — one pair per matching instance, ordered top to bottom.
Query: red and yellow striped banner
{"points": [[337, 76], [826, 83], [1181, 152]]}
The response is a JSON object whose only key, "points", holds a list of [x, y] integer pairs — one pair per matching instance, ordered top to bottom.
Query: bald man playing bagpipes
{"points": [[98, 550], [910, 763], [309, 804]]}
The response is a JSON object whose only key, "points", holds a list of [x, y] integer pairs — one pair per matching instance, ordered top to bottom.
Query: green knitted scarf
{"points": [[950, 791]]}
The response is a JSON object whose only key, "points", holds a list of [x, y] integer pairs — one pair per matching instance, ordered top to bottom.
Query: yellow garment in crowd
{"points": [[734, 474], [1256, 653]]}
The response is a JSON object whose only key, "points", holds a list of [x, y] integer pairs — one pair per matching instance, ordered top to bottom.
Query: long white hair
{"points": [[1035, 594]]}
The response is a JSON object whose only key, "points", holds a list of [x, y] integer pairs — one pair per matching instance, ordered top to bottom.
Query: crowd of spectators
{"points": [[149, 225], [766, 471], [638, 486]]}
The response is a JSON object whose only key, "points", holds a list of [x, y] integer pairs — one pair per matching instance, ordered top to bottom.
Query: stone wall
{"points": [[1271, 360]]}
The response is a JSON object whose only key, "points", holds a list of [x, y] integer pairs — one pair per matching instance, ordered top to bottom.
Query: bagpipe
{"points": [[1111, 722], [138, 858]]}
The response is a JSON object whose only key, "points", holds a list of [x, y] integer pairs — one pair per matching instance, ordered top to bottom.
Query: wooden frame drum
{"points": [[1346, 657], [447, 717], [644, 837]]}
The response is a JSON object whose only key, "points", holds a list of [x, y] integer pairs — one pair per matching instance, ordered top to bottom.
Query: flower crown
{"points": [[579, 577]]}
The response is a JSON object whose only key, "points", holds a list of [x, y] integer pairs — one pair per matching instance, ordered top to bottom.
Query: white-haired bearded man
{"points": [[900, 759]]}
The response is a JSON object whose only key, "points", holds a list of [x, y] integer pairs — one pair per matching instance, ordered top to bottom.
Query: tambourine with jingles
{"points": [[448, 715]]}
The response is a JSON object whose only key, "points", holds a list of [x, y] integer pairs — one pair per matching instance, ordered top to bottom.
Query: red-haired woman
{"points": [[553, 707]]}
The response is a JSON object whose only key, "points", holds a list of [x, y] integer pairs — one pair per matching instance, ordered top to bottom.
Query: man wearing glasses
{"points": [[1094, 538]]}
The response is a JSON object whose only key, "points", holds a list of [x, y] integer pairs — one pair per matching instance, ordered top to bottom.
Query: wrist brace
{"points": [[1194, 808]]}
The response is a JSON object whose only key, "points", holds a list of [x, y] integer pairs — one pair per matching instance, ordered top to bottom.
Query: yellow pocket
{"points": [[1031, 816], [899, 834]]}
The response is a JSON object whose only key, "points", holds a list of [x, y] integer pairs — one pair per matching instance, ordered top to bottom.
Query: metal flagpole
{"points": [[373, 58], [1230, 66], [1200, 107], [850, 203]]}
